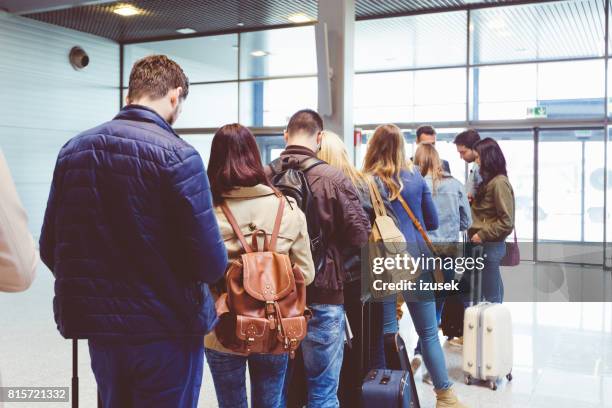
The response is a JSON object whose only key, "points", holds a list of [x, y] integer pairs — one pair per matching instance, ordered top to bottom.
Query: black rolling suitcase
{"points": [[454, 306], [452, 317], [75, 376], [395, 386]]}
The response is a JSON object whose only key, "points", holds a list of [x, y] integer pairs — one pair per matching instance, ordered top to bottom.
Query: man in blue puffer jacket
{"points": [[132, 240]]}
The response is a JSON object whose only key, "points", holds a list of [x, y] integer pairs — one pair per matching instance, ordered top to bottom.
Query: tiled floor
{"points": [[562, 354], [554, 366]]}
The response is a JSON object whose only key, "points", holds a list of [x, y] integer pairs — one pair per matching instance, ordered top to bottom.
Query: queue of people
{"points": [[139, 236]]}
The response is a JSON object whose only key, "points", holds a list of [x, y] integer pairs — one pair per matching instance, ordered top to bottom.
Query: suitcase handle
{"points": [[386, 377]]}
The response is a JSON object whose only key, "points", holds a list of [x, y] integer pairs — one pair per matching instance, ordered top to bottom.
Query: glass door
{"points": [[571, 187]]}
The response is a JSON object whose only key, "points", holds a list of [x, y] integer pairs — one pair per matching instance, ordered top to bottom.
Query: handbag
{"points": [[386, 240], [513, 253]]}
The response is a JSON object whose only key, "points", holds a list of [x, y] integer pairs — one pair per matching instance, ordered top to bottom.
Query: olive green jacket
{"points": [[493, 214]]}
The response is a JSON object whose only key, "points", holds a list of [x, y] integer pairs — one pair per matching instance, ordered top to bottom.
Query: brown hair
{"points": [[154, 76], [305, 120], [386, 158], [428, 160], [234, 161]]}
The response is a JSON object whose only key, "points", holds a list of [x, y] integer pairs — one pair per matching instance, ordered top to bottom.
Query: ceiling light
{"points": [[126, 10], [299, 18], [240, 24], [186, 30], [259, 53]]}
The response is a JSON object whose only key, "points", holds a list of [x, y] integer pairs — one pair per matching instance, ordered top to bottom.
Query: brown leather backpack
{"points": [[264, 307]]}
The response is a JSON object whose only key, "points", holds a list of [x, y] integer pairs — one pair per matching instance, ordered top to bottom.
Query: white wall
{"points": [[43, 103]]}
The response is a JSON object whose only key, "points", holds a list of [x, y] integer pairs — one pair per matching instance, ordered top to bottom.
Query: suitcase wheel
{"points": [[509, 376], [468, 379], [492, 385]]}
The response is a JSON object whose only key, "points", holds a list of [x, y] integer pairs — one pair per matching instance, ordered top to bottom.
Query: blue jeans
{"points": [[492, 284], [423, 315], [390, 324], [323, 350], [267, 372], [165, 373]]}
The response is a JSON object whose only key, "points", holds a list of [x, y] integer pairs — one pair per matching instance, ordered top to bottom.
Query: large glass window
{"points": [[535, 32], [426, 40], [288, 51], [203, 59], [572, 89], [413, 96], [272, 102], [209, 105]]}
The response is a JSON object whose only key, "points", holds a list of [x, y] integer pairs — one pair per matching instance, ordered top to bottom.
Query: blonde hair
{"points": [[333, 151], [386, 158], [428, 160]]}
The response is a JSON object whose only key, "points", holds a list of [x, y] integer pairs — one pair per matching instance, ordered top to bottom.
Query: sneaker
{"points": [[456, 341], [416, 363], [427, 378]]}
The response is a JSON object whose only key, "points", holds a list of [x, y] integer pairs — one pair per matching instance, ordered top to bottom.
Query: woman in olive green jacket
{"points": [[492, 215]]}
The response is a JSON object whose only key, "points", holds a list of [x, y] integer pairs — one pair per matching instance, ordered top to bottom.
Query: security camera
{"points": [[78, 58]]}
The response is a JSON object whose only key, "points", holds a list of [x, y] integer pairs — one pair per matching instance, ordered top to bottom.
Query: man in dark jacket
{"points": [[344, 224], [132, 240]]}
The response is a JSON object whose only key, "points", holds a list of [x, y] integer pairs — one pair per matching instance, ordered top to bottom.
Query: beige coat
{"points": [[255, 208], [18, 255]]}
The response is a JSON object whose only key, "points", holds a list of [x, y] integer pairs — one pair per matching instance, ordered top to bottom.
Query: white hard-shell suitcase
{"points": [[487, 343]]}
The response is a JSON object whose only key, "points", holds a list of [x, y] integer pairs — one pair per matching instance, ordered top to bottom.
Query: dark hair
{"points": [[154, 76], [305, 120], [425, 129], [467, 138], [234, 161], [492, 162]]}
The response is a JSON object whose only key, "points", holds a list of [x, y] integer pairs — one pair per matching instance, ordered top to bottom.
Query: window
{"points": [[536, 32], [426, 40], [279, 52], [203, 59], [572, 89], [405, 97], [272, 102], [210, 105]]}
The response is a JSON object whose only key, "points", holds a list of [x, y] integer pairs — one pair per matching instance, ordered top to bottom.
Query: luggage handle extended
{"points": [[75, 377]]}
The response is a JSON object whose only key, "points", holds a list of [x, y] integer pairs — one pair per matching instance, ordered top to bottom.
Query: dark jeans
{"points": [[267, 372], [164, 374]]}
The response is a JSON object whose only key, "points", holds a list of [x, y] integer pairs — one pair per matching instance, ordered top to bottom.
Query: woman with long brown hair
{"points": [[386, 159], [237, 179]]}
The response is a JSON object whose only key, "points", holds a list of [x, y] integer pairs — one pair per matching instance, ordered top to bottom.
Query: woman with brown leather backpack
{"points": [[261, 303]]}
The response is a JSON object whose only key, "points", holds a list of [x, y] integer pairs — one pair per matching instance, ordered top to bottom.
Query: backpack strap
{"points": [[309, 163], [377, 201], [277, 221], [235, 227]]}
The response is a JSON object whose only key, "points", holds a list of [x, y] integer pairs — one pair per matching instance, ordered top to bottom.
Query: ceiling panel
{"points": [[161, 18]]}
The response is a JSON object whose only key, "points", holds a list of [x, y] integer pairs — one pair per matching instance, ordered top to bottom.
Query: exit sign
{"points": [[537, 112]]}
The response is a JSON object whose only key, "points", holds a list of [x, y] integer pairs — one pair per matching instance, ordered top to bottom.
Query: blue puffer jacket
{"points": [[130, 233]]}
